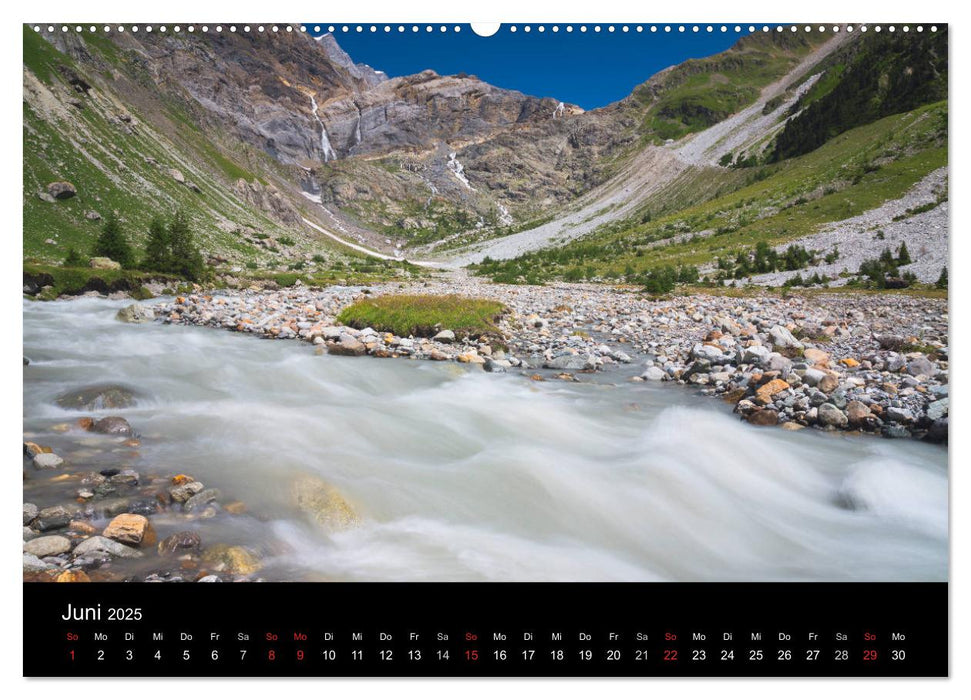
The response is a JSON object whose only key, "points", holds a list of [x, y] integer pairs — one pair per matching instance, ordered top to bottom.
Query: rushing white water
{"points": [[325, 148], [458, 170], [505, 218], [462, 475]]}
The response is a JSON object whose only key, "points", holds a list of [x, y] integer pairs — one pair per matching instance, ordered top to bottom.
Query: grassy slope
{"points": [[701, 92], [112, 169], [852, 173]]}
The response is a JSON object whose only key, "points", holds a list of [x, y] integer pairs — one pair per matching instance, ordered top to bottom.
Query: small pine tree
{"points": [[113, 244], [158, 250], [903, 255], [74, 258], [186, 258], [942, 280]]}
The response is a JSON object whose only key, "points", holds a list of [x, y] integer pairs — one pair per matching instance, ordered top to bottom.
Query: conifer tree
{"points": [[112, 242]]}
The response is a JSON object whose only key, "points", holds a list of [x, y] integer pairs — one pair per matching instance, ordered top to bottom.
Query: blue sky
{"points": [[590, 69]]}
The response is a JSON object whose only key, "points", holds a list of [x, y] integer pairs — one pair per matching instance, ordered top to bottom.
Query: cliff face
{"points": [[410, 160]]}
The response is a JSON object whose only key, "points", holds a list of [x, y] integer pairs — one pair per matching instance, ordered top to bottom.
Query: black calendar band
{"points": [[473, 629]]}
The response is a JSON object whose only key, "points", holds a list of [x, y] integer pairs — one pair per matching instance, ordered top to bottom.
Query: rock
{"points": [[177, 175], [61, 190], [45, 197], [92, 216], [101, 263], [136, 313], [445, 336], [781, 336], [347, 345], [755, 355], [816, 356], [470, 357], [571, 362], [849, 362], [777, 363], [493, 366], [920, 366], [654, 374], [813, 376], [829, 383], [765, 392], [97, 397], [938, 409], [857, 412], [828, 414], [899, 415], [763, 416], [111, 425], [792, 426], [938, 431], [32, 449], [47, 460], [126, 477], [183, 492], [202, 498], [323, 504], [30, 512], [51, 518], [81, 527], [130, 529], [180, 543], [48, 546], [100, 546], [232, 559], [33, 565], [72, 576]]}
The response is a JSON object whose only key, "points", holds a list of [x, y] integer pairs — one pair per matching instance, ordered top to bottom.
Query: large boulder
{"points": [[61, 190], [100, 263], [136, 313], [97, 397], [323, 504], [232, 559]]}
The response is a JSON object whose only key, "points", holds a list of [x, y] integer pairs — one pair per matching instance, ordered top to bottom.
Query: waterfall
{"points": [[325, 147], [458, 170]]}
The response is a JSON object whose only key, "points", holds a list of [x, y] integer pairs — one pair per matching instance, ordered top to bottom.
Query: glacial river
{"points": [[461, 475]]}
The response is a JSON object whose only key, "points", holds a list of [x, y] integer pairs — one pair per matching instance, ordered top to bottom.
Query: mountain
{"points": [[278, 144]]}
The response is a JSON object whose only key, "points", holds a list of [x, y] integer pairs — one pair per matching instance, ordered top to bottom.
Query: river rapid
{"points": [[457, 474]]}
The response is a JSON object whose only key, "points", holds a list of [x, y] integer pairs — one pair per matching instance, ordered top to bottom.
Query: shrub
{"points": [[75, 259]]}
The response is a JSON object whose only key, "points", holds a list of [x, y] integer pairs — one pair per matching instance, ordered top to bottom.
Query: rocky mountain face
{"points": [[287, 126]]}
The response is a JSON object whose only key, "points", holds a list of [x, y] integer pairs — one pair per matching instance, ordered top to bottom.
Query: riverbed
{"points": [[456, 474]]}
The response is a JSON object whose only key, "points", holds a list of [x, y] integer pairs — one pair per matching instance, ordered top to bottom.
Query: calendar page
{"points": [[485, 350]]}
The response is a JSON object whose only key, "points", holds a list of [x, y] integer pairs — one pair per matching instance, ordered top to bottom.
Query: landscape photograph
{"points": [[568, 303]]}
